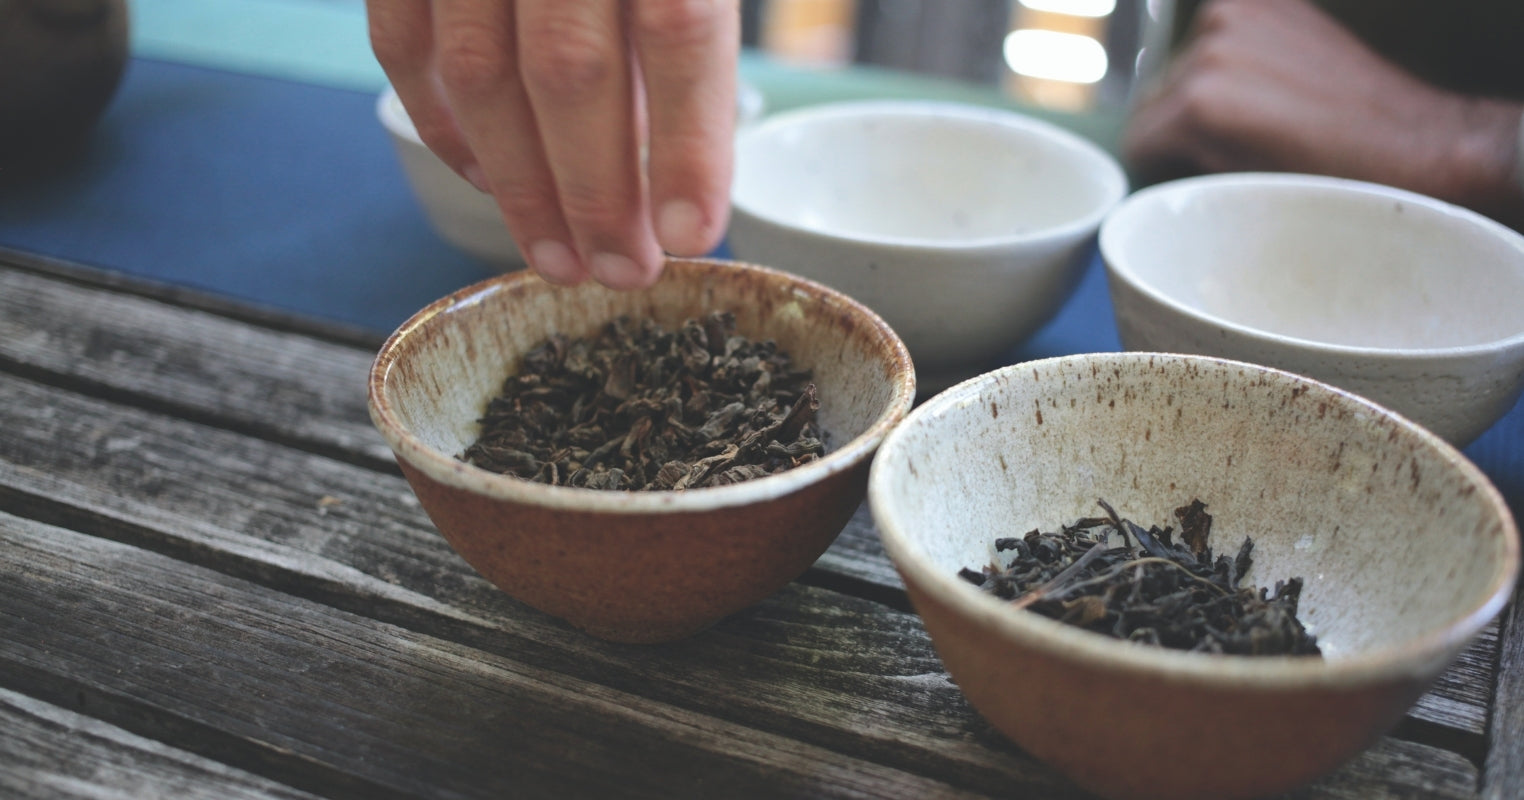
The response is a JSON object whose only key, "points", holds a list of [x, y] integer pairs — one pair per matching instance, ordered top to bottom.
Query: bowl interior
{"points": [[905, 171], [1322, 260], [440, 369], [1402, 543]]}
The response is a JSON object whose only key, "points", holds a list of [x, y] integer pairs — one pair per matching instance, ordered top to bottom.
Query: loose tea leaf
{"points": [[642, 408], [1148, 588]]}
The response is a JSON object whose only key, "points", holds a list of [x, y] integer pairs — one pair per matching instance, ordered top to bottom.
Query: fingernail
{"points": [[474, 174], [679, 226], [555, 262], [616, 271]]}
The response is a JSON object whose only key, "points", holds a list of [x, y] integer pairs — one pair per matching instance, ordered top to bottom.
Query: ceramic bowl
{"points": [[63, 63], [463, 216], [966, 228], [1407, 300], [1406, 549], [636, 566]]}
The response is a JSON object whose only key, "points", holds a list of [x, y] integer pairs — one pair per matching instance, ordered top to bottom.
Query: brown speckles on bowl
{"points": [[1405, 547], [638, 567]]}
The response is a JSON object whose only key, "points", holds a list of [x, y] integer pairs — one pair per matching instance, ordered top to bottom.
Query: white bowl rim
{"points": [[394, 117], [1108, 170], [1120, 268], [450, 471], [1412, 658]]}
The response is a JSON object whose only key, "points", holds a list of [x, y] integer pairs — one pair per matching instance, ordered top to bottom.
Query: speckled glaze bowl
{"points": [[966, 228], [1407, 300], [1406, 549], [636, 566]]}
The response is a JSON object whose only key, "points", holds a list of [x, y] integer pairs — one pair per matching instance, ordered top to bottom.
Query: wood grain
{"points": [[278, 385], [310, 393], [210, 535], [831, 670], [298, 688], [47, 751], [1503, 771]]}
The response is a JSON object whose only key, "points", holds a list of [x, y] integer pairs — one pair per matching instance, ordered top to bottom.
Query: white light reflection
{"points": [[1074, 8], [1055, 56]]}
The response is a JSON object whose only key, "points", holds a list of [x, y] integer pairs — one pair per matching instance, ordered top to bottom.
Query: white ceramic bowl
{"points": [[459, 213], [965, 228], [1407, 300], [1406, 549]]}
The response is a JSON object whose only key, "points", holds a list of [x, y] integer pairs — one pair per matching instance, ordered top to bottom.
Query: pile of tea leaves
{"points": [[641, 408], [1148, 588]]}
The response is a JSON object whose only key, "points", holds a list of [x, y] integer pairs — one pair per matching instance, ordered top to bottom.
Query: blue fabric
{"points": [[283, 193]]}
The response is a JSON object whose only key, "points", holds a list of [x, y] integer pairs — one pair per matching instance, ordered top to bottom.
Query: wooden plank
{"points": [[186, 296], [279, 385], [308, 393], [311, 394], [832, 670], [840, 671], [297, 688], [46, 751], [1386, 770], [1503, 770]]}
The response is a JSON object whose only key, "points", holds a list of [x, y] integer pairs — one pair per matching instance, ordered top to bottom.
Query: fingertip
{"points": [[682, 229], [556, 263], [622, 272]]}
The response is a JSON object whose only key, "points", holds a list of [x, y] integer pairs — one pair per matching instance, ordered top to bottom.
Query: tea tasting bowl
{"points": [[464, 217], [966, 228], [1405, 299], [1405, 547], [636, 566]]}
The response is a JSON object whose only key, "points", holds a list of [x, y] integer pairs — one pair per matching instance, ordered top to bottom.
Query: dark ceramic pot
{"points": [[60, 64]]}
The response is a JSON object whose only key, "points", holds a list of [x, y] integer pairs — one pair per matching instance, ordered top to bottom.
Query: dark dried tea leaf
{"points": [[641, 408], [1148, 588]]}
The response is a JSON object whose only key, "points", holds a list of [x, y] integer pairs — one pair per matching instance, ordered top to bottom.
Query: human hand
{"points": [[1280, 85], [548, 106]]}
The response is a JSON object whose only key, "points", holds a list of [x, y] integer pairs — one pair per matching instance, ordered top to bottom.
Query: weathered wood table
{"points": [[214, 584]]}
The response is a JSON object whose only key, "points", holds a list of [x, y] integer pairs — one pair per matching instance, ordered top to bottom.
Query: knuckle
{"points": [[1228, 15], [1215, 16], [678, 22], [396, 43], [1212, 56], [568, 58], [473, 59], [1202, 106], [438, 135], [523, 203], [596, 210]]}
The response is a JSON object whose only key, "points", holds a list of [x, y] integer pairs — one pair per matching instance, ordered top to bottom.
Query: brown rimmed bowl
{"points": [[1406, 548], [636, 566]]}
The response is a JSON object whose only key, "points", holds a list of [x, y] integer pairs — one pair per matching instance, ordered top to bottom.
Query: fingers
{"points": [[402, 36], [687, 51], [479, 68], [580, 80], [546, 104]]}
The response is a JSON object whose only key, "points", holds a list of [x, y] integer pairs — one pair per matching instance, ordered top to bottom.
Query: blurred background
{"points": [[1065, 55], [1071, 55], [241, 151]]}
